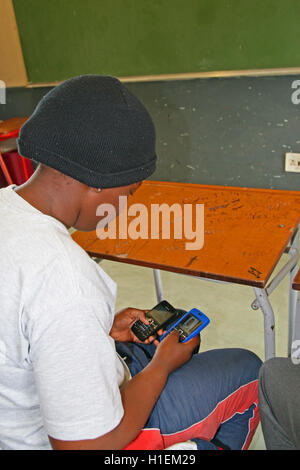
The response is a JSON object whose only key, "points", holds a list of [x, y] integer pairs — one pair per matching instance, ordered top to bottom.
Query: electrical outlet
{"points": [[292, 162]]}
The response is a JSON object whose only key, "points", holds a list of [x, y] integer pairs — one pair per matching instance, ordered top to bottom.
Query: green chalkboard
{"points": [[63, 38]]}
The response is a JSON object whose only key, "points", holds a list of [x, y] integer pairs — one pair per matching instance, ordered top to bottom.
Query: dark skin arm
{"points": [[123, 321], [140, 394]]}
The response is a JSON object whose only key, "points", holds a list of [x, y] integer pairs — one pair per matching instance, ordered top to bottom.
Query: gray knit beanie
{"points": [[93, 129]]}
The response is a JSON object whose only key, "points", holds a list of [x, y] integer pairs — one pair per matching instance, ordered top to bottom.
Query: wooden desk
{"points": [[12, 124], [9, 131], [245, 233], [296, 281]]}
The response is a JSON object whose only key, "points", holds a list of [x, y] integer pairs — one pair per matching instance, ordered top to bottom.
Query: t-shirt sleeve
{"points": [[74, 363]]}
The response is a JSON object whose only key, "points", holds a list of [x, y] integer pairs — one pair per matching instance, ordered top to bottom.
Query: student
{"points": [[72, 374], [279, 385]]}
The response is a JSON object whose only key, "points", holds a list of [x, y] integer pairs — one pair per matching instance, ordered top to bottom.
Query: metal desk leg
{"points": [[158, 285], [292, 293], [269, 321], [296, 330], [295, 346]]}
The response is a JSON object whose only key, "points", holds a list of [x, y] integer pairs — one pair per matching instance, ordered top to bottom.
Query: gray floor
{"points": [[233, 322]]}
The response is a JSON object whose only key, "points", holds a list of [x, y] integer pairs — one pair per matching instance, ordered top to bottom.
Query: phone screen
{"points": [[160, 314], [190, 323]]}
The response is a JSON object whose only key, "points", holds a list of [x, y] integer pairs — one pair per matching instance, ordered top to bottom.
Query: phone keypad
{"points": [[141, 330], [182, 334]]}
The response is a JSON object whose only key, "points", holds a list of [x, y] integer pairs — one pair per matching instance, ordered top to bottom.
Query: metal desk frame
{"points": [[262, 297]]}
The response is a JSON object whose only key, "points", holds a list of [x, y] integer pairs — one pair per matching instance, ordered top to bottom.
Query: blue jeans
{"points": [[212, 399]]}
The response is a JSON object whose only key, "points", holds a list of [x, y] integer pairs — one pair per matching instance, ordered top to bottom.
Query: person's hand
{"points": [[123, 321], [172, 354]]}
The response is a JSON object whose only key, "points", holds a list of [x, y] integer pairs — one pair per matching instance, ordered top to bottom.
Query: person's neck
{"points": [[54, 202]]}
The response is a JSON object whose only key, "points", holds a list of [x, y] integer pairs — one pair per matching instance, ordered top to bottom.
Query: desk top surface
{"points": [[11, 124], [246, 230], [296, 281]]}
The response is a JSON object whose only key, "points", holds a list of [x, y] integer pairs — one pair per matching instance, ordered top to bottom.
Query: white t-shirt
{"points": [[59, 370]]}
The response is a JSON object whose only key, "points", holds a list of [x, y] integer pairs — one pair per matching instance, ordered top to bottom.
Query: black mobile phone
{"points": [[160, 316]]}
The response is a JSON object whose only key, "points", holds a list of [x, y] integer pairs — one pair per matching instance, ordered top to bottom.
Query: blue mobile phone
{"points": [[189, 325]]}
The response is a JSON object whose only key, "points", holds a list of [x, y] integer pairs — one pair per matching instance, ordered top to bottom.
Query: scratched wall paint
{"points": [[227, 131], [230, 131]]}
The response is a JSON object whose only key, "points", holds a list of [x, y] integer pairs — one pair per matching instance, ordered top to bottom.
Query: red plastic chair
{"points": [[11, 129]]}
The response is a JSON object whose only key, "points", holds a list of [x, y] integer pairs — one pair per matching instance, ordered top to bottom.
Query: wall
{"points": [[62, 38], [12, 68], [227, 131]]}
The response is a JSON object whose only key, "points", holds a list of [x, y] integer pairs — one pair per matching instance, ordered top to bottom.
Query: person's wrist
{"points": [[112, 332], [115, 333], [160, 367]]}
